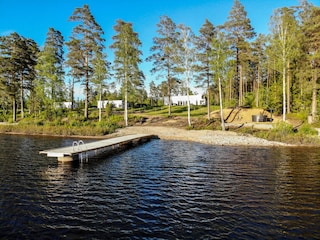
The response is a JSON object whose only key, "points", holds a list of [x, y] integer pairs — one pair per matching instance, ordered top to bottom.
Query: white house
{"points": [[183, 100], [115, 103], [64, 105]]}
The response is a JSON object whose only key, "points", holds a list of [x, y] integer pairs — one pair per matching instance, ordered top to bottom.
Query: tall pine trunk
{"points": [[284, 78], [240, 85], [169, 91], [314, 95], [21, 100], [208, 100], [86, 102], [221, 107], [14, 109]]}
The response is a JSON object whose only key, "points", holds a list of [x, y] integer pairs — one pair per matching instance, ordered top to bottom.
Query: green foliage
{"points": [[85, 50], [286, 60], [126, 64], [17, 68], [50, 87], [249, 99], [108, 109], [65, 123], [283, 128], [306, 129], [284, 132]]}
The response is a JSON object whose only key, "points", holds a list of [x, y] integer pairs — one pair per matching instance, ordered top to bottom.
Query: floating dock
{"points": [[80, 150]]}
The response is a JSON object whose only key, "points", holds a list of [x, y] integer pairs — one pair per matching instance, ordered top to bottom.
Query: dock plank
{"points": [[92, 146]]}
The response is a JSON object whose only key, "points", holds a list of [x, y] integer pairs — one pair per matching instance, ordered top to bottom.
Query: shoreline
{"points": [[216, 138]]}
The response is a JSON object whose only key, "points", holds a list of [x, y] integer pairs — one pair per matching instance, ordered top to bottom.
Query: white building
{"points": [[183, 100], [115, 103], [64, 105]]}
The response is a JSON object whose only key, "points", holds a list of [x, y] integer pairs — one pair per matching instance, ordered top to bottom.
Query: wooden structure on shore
{"points": [[80, 150]]}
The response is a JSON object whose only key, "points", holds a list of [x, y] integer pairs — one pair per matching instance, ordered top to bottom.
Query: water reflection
{"points": [[163, 189]]}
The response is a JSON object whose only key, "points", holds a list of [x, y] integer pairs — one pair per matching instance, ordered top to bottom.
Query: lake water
{"points": [[161, 189]]}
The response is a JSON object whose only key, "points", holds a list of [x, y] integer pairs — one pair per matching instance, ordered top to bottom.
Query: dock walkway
{"points": [[79, 148]]}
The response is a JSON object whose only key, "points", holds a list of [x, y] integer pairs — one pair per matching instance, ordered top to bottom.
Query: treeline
{"points": [[278, 71]]}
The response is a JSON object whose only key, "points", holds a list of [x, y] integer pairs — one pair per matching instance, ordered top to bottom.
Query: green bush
{"points": [[283, 128], [306, 129]]}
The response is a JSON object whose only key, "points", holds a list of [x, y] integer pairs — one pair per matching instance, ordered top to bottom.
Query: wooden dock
{"points": [[80, 150]]}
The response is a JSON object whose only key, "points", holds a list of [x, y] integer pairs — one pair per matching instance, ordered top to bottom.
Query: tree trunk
{"points": [[240, 86], [257, 87], [288, 88], [169, 91], [72, 93], [314, 95], [100, 99], [126, 99], [21, 100], [86, 102], [208, 102], [284, 102], [221, 108], [14, 110], [189, 117]]}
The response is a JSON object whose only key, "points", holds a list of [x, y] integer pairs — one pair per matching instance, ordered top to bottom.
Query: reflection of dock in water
{"points": [[80, 150]]}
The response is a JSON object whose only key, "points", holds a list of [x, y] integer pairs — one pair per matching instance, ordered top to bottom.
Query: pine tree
{"points": [[239, 31], [85, 43], [311, 43], [164, 53], [18, 60], [126, 61], [258, 61], [50, 67], [100, 75], [204, 76], [154, 93]]}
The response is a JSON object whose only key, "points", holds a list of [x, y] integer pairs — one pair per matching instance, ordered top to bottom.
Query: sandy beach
{"points": [[221, 138]]}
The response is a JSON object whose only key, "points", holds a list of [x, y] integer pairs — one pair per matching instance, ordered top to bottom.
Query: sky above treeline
{"points": [[33, 18]]}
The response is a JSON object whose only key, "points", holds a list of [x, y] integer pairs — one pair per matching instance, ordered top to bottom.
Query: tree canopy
{"points": [[278, 71]]}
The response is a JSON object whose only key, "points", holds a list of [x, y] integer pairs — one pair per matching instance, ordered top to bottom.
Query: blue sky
{"points": [[32, 18]]}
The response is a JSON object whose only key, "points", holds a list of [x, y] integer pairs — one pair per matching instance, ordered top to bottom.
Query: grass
{"points": [[180, 111], [73, 123], [65, 125], [286, 133]]}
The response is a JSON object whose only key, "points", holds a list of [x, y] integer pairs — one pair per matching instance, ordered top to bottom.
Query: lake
{"points": [[161, 189]]}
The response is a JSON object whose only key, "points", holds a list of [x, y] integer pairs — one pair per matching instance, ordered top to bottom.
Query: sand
{"points": [[220, 138]]}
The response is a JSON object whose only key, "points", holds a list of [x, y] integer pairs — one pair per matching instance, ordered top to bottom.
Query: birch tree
{"points": [[284, 42], [187, 59], [220, 63]]}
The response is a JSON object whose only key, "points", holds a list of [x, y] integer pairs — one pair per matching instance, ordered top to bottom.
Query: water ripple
{"points": [[160, 190]]}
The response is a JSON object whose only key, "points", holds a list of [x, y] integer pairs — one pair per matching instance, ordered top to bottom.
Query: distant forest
{"points": [[278, 71]]}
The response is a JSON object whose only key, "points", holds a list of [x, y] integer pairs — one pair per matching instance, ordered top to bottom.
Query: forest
{"points": [[278, 71]]}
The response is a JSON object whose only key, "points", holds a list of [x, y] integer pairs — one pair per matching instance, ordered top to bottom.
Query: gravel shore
{"points": [[221, 138]]}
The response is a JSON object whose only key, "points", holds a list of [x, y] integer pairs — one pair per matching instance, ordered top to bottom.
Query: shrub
{"points": [[306, 129]]}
